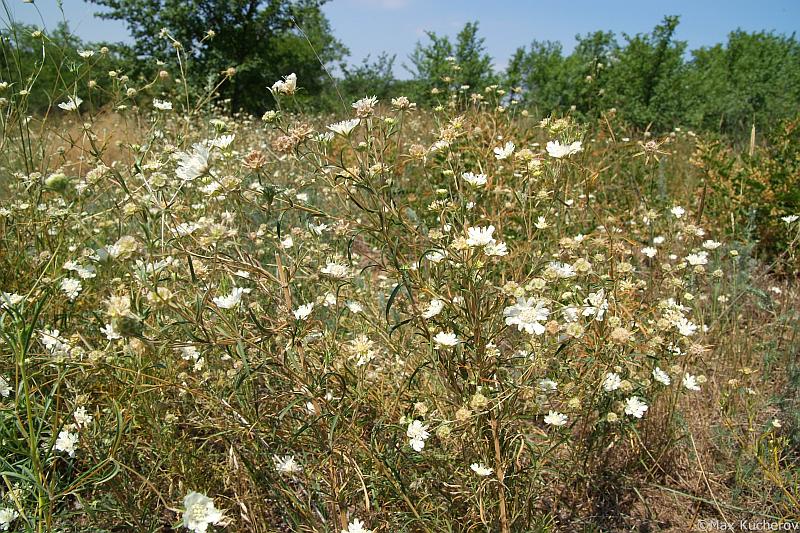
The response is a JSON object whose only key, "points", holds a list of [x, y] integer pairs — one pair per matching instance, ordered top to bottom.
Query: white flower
{"points": [[86, 54], [286, 86], [71, 104], [162, 105], [365, 106], [345, 127], [223, 141], [558, 150], [505, 151], [192, 165], [476, 180], [678, 211], [790, 218], [318, 229], [480, 236], [287, 243], [711, 245], [497, 249], [649, 251], [435, 256], [700, 258], [336, 270], [563, 270], [71, 287], [10, 298], [230, 300], [596, 305], [355, 307], [434, 308], [302, 312], [527, 315], [686, 328], [110, 333], [446, 339], [54, 343], [661, 376], [612, 382], [690, 382], [548, 385], [5, 388], [635, 407], [82, 418], [554, 418], [417, 433], [67, 442], [287, 465], [481, 470], [199, 512], [7, 516], [356, 526]]}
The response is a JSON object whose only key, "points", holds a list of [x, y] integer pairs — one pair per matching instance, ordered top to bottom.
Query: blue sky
{"points": [[371, 26]]}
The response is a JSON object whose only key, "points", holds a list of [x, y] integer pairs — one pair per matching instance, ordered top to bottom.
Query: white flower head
{"points": [[287, 86], [72, 104], [162, 105], [365, 106], [345, 127], [557, 150], [504, 152], [192, 165], [476, 180], [478, 236], [336, 270], [71, 287], [232, 299], [434, 308], [303, 312], [527, 315], [448, 339], [661, 376], [612, 382], [690, 382], [5, 388], [635, 407], [554, 418], [417, 433], [67, 442], [286, 465], [481, 469], [199, 512], [7, 515], [356, 526]]}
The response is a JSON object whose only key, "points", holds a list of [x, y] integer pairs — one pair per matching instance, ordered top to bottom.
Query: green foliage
{"points": [[261, 39], [443, 65], [369, 79], [753, 79], [646, 84]]}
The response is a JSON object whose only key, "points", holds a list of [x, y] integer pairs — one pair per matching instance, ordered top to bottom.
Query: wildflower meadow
{"points": [[389, 317]]}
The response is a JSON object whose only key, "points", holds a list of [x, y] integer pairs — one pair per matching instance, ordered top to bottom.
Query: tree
{"points": [[262, 39], [442, 65], [541, 72], [374, 78], [752, 80], [648, 82]]}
